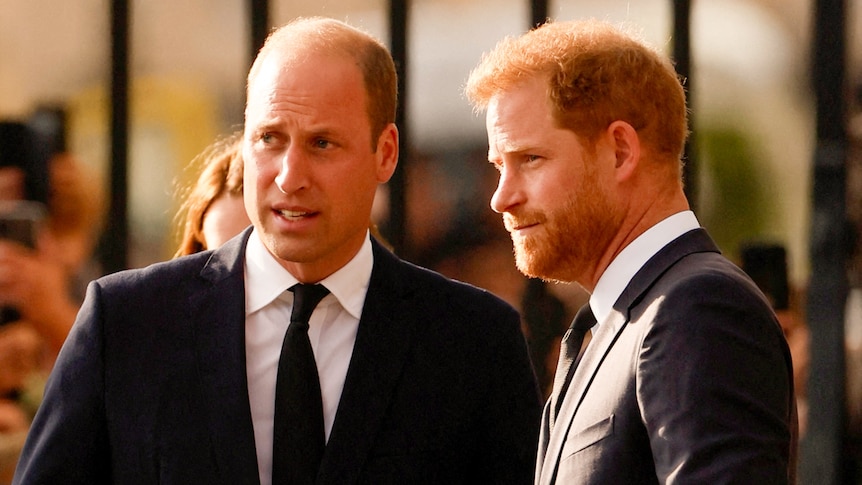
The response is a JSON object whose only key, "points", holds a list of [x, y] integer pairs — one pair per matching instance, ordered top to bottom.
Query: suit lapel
{"points": [[694, 241], [217, 307], [608, 331], [603, 339], [382, 343], [544, 440]]}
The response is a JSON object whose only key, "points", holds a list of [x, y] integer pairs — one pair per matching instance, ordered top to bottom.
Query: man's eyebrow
{"points": [[265, 125], [513, 148]]}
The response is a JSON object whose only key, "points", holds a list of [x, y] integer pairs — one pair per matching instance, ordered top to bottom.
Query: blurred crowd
{"points": [[50, 232]]}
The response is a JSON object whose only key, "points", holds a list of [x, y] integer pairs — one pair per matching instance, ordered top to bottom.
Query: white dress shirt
{"points": [[633, 257], [332, 331]]}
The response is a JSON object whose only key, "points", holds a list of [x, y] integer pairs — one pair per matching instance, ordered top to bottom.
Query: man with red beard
{"points": [[687, 377]]}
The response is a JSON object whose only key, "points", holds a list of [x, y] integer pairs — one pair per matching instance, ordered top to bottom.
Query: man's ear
{"points": [[627, 148], [387, 153]]}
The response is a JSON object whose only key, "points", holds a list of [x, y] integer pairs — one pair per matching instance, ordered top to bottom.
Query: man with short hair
{"points": [[174, 373], [687, 377]]}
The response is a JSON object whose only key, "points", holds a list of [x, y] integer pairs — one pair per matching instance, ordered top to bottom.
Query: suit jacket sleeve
{"points": [[713, 378], [67, 442]]}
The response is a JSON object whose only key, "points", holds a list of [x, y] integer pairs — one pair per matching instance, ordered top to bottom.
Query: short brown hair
{"points": [[319, 34], [597, 73]]}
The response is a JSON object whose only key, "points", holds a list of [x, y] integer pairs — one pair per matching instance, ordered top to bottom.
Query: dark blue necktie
{"points": [[570, 350], [298, 431]]}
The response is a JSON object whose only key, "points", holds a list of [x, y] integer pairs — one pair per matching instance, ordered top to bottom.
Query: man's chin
{"points": [[289, 249], [526, 264], [533, 267]]}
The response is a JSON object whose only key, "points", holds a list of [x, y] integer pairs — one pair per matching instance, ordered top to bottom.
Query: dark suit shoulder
{"points": [[705, 276], [157, 277], [160, 279], [703, 293], [446, 294], [710, 339]]}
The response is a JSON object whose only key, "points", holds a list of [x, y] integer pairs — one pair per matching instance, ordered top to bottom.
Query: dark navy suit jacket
{"points": [[688, 380], [151, 385]]}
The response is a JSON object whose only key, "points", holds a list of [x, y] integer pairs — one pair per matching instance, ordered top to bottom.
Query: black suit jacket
{"points": [[689, 380], [151, 385]]}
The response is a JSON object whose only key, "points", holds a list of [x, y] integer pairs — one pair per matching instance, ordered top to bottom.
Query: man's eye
{"points": [[267, 138], [321, 143], [532, 158]]}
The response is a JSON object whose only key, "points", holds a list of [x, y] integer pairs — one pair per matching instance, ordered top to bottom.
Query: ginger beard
{"points": [[575, 234]]}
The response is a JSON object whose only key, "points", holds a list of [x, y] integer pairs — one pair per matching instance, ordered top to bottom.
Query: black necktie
{"points": [[570, 350], [298, 432]]}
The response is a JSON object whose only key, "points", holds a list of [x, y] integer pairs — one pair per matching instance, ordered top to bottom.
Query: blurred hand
{"points": [[29, 281], [36, 284], [20, 356], [12, 418]]}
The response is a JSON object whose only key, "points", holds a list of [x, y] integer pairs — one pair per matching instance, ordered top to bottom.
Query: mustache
{"points": [[513, 222]]}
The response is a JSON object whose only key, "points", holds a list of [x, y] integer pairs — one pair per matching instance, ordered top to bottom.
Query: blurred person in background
{"points": [[213, 210], [766, 264], [41, 285]]}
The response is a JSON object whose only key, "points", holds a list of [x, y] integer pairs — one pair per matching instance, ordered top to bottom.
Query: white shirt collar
{"points": [[632, 258], [266, 279]]}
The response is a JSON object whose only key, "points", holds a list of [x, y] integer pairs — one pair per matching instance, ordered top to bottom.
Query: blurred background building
{"points": [[754, 118]]}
